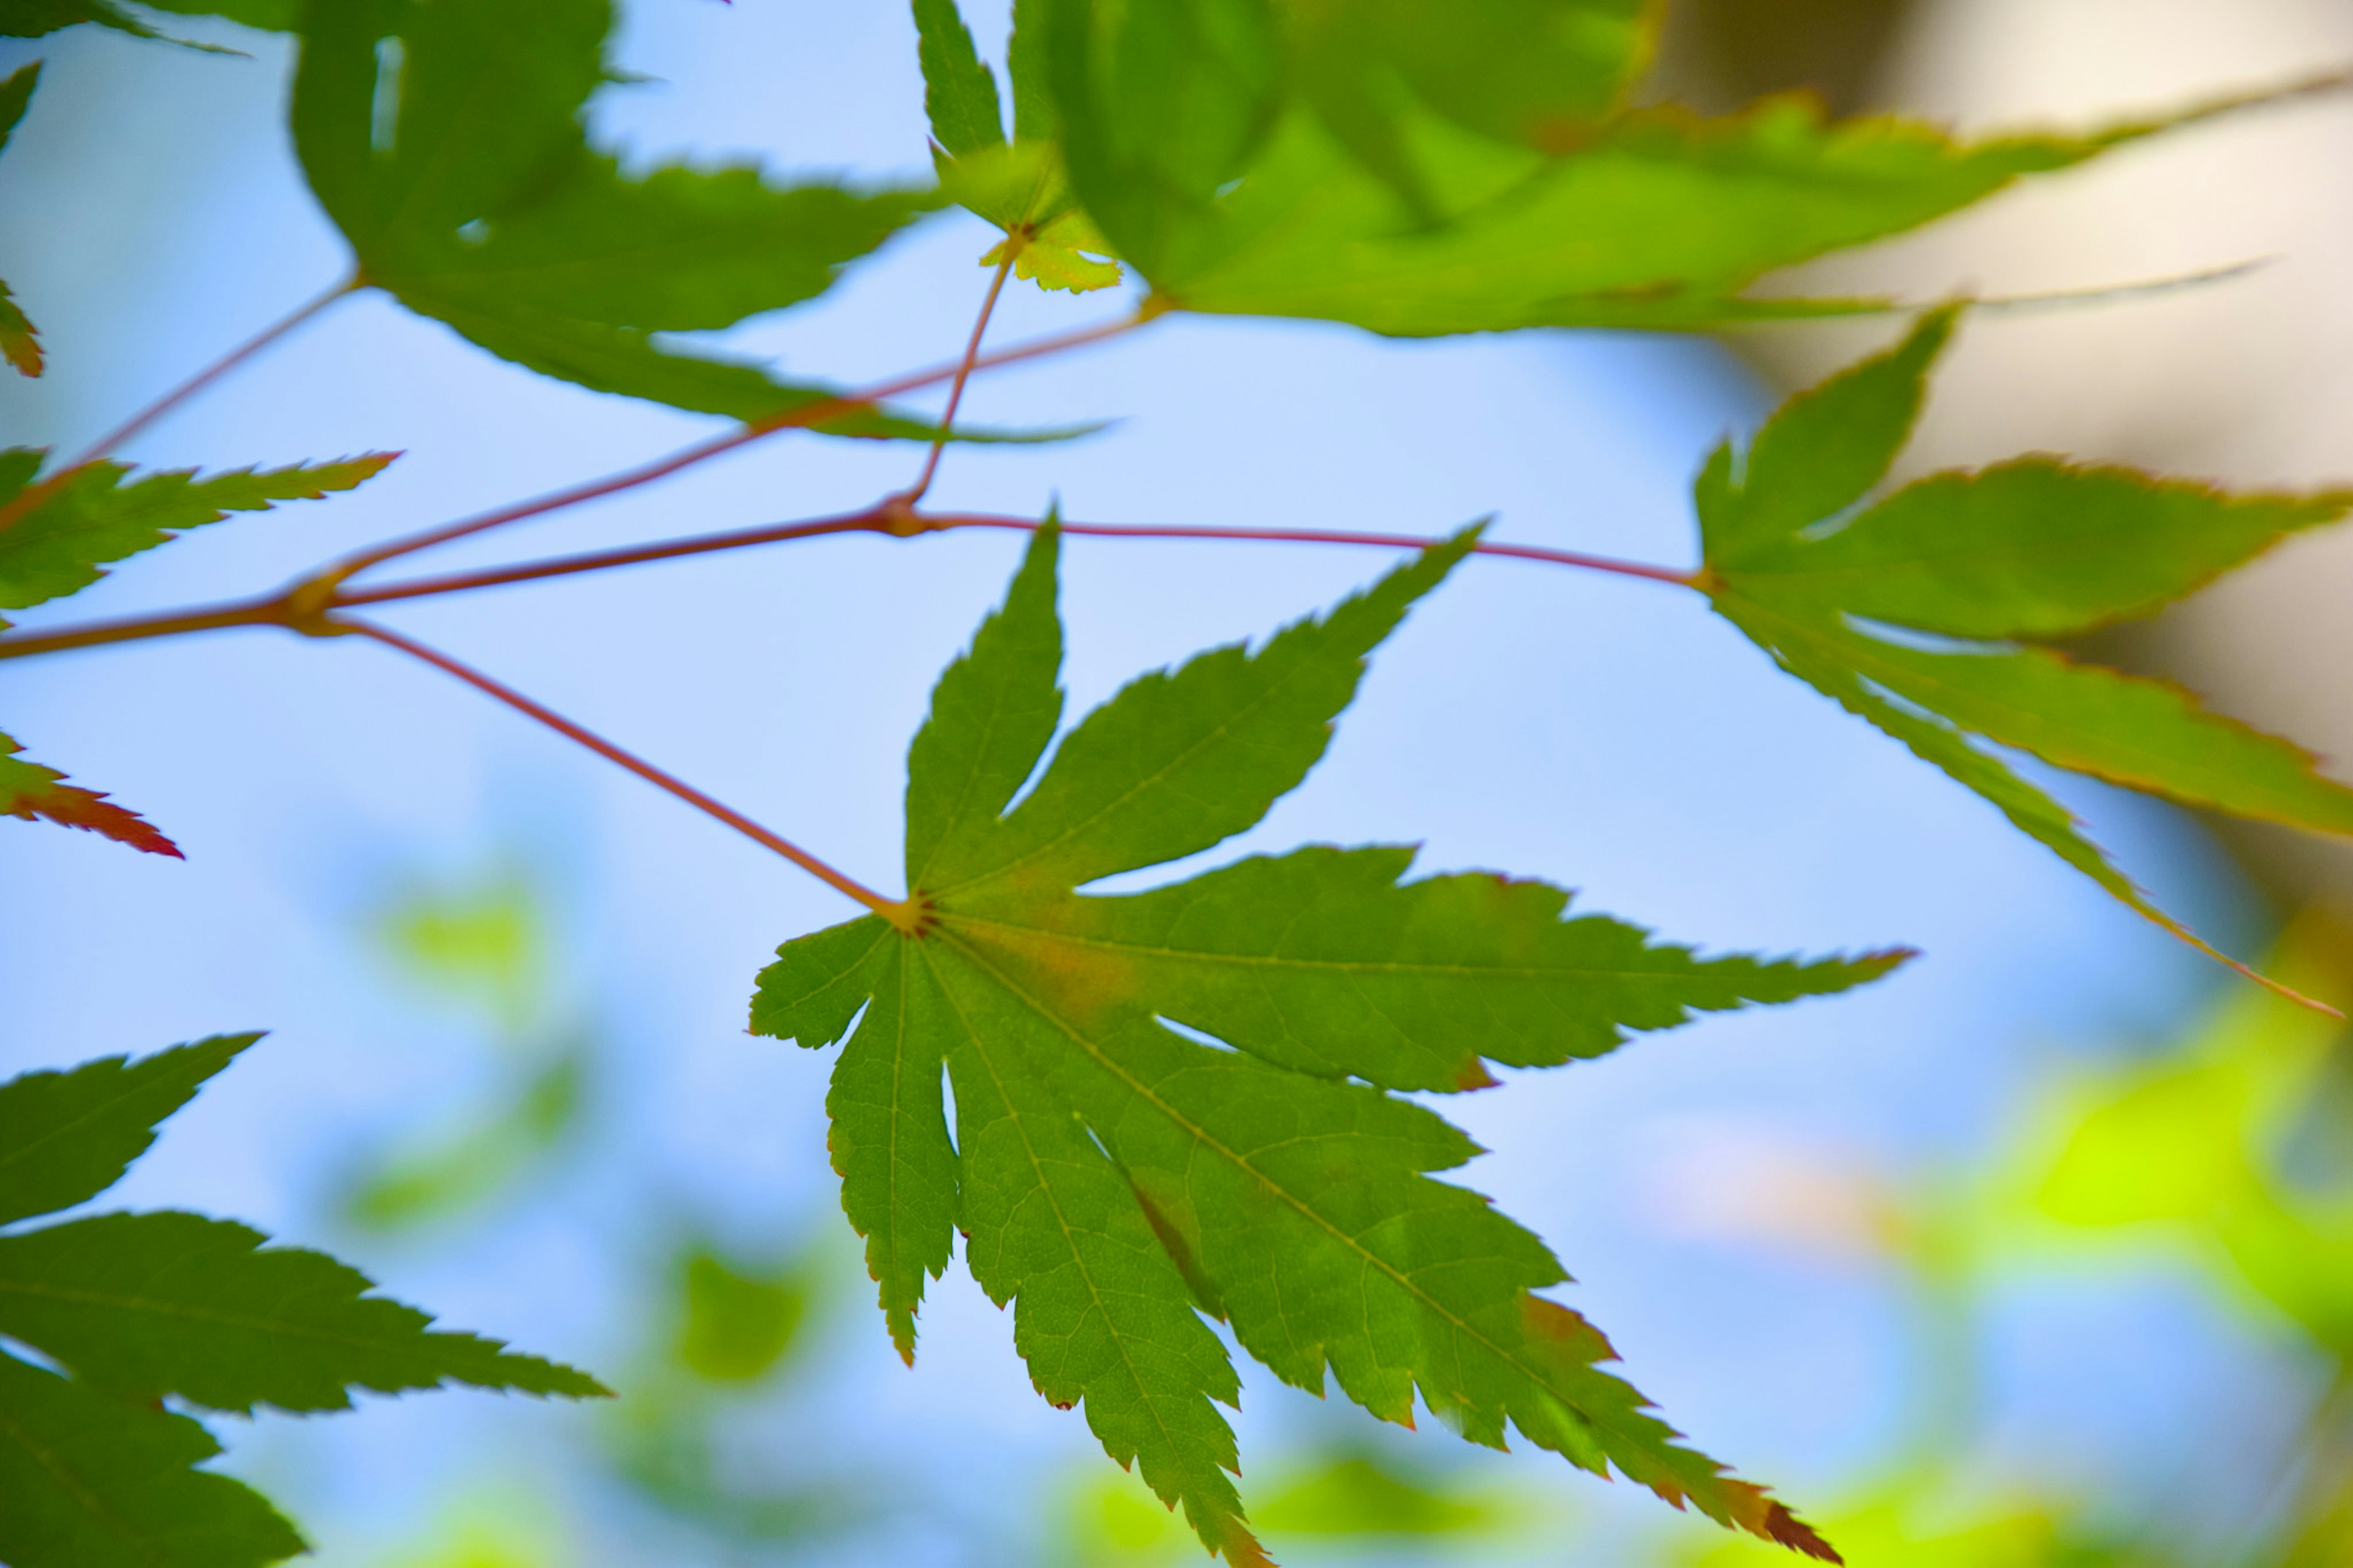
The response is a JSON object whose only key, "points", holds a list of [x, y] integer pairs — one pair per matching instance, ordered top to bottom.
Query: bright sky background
{"points": [[1605, 734]]}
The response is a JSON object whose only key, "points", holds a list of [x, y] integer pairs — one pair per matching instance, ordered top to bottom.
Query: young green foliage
{"points": [[446, 141], [1018, 186], [1416, 191], [81, 521], [72, 526], [1903, 610], [1115, 1177], [130, 1308]]}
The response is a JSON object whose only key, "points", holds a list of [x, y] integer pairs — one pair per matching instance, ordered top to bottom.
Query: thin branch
{"points": [[211, 372], [964, 374], [702, 451], [33, 496], [886, 518], [873, 520], [1327, 536], [301, 607], [139, 629], [898, 912]]}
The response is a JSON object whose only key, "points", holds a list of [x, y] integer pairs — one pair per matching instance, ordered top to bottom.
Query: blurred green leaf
{"points": [[1531, 72], [446, 141], [1184, 142], [1019, 185], [20, 345], [478, 942], [2195, 1143], [476, 1164], [151, 1304], [737, 1326], [94, 1472], [1358, 1496], [1914, 1533]]}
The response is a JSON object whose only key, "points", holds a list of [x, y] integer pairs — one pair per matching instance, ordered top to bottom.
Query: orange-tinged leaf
{"points": [[20, 343], [33, 793]]}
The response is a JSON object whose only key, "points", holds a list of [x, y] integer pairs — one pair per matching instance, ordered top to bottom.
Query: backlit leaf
{"points": [[1533, 72], [959, 91], [1162, 105], [446, 143], [1652, 217], [20, 342], [89, 517], [2051, 548], [1865, 604], [32, 793], [66, 1137], [1116, 1176], [151, 1304], [132, 1308], [738, 1326], [97, 1481]]}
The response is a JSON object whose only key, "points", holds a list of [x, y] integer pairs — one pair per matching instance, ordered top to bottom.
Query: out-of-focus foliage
{"points": [[445, 143], [1399, 168], [20, 343], [481, 945], [2226, 1154], [122, 1310], [1336, 1502]]}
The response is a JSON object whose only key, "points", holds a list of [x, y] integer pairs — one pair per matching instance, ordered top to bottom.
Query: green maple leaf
{"points": [[264, 15], [33, 19], [1534, 73], [446, 141], [1188, 142], [1020, 184], [20, 345], [84, 519], [77, 523], [64, 539], [1909, 611], [32, 793], [1115, 1177], [132, 1308]]}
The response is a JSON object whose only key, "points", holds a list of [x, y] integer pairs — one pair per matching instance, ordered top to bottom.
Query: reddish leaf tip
{"points": [[1789, 1531]]}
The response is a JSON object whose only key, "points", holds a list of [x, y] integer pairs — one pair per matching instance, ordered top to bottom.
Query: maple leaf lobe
{"points": [[1115, 1177]]}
